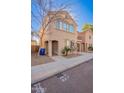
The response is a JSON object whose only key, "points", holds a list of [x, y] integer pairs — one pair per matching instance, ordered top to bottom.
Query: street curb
{"points": [[47, 70]]}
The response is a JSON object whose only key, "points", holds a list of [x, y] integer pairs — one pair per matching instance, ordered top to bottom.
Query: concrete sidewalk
{"points": [[41, 72]]}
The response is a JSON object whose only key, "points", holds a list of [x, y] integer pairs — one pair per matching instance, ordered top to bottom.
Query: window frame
{"points": [[71, 28]]}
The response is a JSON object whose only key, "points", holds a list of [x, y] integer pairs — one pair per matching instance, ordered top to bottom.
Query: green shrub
{"points": [[90, 48], [66, 50], [63, 51]]}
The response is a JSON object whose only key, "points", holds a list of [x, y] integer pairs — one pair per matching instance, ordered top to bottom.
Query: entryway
{"points": [[46, 47], [54, 47], [78, 47], [82, 47]]}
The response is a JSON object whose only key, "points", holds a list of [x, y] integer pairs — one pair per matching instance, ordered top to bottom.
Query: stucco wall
{"points": [[60, 35], [87, 39]]}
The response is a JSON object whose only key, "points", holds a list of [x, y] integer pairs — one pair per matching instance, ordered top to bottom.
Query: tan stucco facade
{"points": [[56, 39], [85, 40]]}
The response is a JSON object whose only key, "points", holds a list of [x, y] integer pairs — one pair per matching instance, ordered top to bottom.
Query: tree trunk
{"points": [[42, 38], [42, 43], [66, 53]]}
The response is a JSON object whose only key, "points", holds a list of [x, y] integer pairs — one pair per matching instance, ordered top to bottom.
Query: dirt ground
{"points": [[38, 60]]}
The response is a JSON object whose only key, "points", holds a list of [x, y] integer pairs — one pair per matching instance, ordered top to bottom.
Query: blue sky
{"points": [[82, 11]]}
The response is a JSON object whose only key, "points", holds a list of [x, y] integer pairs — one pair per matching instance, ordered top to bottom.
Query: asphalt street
{"points": [[75, 80]]}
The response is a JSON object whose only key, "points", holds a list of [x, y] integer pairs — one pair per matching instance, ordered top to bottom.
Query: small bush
{"points": [[90, 48], [66, 50], [63, 51]]}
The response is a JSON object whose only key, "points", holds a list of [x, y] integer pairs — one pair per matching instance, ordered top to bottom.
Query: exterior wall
{"points": [[53, 34], [61, 37], [86, 40]]}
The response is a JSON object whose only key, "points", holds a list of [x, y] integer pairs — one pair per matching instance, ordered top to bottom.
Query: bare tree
{"points": [[42, 9], [34, 34]]}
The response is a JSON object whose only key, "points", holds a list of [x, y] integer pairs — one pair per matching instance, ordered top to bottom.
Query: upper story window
{"points": [[57, 24], [61, 25], [64, 26], [67, 27], [71, 28]]}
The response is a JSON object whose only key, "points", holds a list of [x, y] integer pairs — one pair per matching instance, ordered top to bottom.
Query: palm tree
{"points": [[87, 27]]}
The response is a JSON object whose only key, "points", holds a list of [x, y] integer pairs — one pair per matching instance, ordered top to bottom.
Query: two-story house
{"points": [[60, 33], [85, 40]]}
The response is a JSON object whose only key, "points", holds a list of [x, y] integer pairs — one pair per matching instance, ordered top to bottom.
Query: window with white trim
{"points": [[64, 26], [71, 28]]}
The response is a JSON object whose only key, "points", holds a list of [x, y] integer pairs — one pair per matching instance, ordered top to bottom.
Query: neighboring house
{"points": [[60, 33], [85, 40], [34, 42], [34, 46]]}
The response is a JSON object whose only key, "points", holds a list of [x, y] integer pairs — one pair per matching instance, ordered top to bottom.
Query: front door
{"points": [[78, 47], [83, 47], [54, 48]]}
